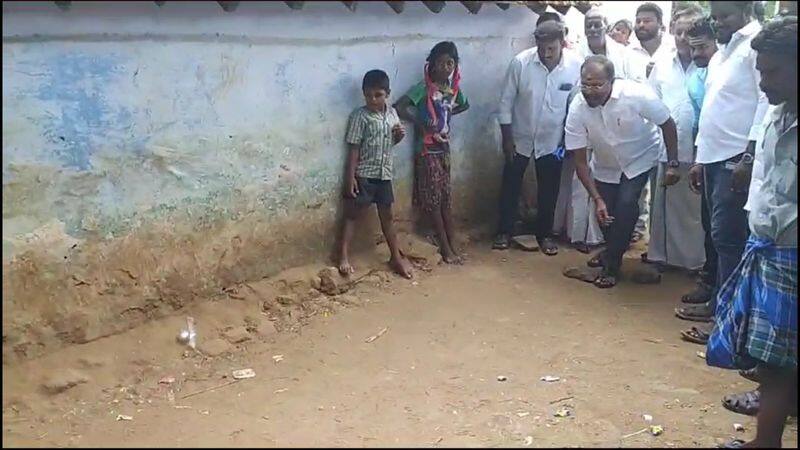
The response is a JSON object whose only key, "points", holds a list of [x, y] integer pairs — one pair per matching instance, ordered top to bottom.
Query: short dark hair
{"points": [[746, 7], [651, 8], [690, 10], [759, 10], [549, 15], [702, 27], [549, 32], [778, 37], [443, 48], [602, 62], [375, 79]]}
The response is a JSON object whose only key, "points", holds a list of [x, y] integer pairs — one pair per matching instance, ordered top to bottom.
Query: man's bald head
{"points": [[595, 12], [597, 65]]}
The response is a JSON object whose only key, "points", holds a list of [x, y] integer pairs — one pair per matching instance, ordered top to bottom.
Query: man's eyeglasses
{"points": [[592, 87]]}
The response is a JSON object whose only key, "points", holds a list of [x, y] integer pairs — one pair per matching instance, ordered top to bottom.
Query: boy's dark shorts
{"points": [[373, 190]]}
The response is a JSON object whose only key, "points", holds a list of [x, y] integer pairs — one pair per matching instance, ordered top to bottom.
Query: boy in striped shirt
{"points": [[372, 131]]}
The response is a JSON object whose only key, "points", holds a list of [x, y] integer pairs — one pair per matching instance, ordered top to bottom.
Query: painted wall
{"points": [[152, 156]]}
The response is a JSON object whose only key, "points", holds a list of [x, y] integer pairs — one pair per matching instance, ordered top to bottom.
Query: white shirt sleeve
{"points": [[509, 93], [652, 108], [757, 130], [575, 133]]}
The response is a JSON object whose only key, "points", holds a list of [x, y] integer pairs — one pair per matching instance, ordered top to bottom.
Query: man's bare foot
{"points": [[402, 267], [345, 268]]}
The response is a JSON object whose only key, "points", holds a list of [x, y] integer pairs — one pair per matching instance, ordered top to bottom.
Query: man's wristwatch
{"points": [[747, 158], [674, 163]]}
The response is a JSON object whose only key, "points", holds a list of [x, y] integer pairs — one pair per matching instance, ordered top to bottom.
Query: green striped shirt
{"points": [[372, 132]]}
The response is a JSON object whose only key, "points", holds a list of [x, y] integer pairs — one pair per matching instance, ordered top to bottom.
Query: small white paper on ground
{"points": [[243, 374]]}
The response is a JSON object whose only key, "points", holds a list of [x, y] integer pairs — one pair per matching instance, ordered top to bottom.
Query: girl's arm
{"points": [[406, 111]]}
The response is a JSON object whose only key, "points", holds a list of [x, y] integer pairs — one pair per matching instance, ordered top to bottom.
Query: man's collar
{"points": [[675, 58], [539, 61], [777, 115]]}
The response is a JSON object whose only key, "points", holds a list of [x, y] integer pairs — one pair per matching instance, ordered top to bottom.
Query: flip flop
{"points": [[501, 242], [548, 247], [581, 247], [595, 261], [605, 281], [701, 294], [695, 313], [695, 336], [750, 374], [746, 403], [733, 443]]}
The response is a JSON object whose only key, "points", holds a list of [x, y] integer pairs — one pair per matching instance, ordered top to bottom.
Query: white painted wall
{"points": [[195, 147]]}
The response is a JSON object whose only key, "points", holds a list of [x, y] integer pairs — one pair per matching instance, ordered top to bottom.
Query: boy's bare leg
{"points": [[352, 214], [447, 220], [448, 255], [397, 261], [778, 396]]}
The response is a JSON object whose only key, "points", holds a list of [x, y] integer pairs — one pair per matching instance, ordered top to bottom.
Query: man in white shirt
{"points": [[597, 43], [653, 44], [533, 106], [620, 121], [730, 122], [574, 209], [676, 229]]}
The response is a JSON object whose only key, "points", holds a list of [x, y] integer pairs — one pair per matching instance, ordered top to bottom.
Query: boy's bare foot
{"points": [[452, 258], [402, 267], [345, 268]]}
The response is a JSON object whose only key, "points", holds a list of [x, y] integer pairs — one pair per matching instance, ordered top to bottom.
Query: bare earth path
{"points": [[430, 380]]}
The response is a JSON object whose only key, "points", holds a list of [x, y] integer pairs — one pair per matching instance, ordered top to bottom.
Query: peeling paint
{"points": [[196, 162]]}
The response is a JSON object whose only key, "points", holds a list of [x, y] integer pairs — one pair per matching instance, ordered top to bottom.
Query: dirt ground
{"points": [[430, 374]]}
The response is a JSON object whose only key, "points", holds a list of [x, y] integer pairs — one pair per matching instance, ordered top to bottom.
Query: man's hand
{"points": [[398, 132], [509, 149], [671, 176], [741, 177], [696, 178], [351, 188], [601, 210]]}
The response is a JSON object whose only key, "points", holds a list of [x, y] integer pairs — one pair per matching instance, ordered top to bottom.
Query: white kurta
{"points": [[575, 213], [676, 229]]}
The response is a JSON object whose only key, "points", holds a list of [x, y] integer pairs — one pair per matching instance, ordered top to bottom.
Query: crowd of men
{"points": [[690, 131]]}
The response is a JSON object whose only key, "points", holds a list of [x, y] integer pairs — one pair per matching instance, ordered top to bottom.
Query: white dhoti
{"points": [[575, 212], [676, 229]]}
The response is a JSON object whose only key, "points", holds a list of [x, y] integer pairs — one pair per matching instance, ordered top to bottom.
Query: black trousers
{"points": [[548, 181], [622, 201], [710, 266]]}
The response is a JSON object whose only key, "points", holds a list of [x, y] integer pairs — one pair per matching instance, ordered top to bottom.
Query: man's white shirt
{"points": [[618, 54], [640, 58], [668, 80], [534, 100], [734, 106], [623, 133]]}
